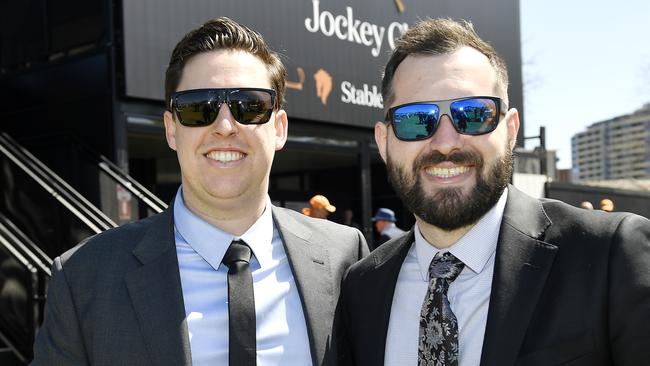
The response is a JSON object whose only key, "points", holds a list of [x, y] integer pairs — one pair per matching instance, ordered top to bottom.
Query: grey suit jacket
{"points": [[570, 287], [116, 298]]}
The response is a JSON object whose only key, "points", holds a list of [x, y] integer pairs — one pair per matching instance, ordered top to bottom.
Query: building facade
{"points": [[95, 70], [618, 148], [537, 161]]}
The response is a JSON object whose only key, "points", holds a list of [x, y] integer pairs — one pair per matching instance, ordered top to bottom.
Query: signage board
{"points": [[334, 50]]}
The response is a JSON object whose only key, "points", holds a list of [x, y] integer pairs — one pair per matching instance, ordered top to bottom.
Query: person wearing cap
{"points": [[607, 205], [319, 207], [384, 221]]}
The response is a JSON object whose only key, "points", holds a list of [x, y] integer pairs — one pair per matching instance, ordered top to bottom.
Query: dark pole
{"points": [[542, 145], [542, 149], [366, 191]]}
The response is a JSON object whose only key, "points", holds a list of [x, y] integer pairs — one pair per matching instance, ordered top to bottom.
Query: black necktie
{"points": [[241, 305], [438, 343]]}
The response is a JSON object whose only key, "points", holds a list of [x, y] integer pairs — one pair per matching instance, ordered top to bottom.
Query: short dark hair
{"points": [[224, 34], [438, 37]]}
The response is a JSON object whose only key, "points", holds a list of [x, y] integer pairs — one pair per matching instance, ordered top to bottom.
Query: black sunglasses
{"points": [[200, 107], [469, 116]]}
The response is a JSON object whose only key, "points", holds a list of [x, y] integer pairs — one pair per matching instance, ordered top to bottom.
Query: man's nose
{"points": [[225, 123], [446, 139]]}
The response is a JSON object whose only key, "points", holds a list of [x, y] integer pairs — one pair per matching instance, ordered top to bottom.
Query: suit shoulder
{"points": [[563, 214], [317, 226], [590, 226], [112, 242], [344, 243], [391, 250], [364, 265]]}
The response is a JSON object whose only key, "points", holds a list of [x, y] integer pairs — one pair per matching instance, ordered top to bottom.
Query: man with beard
{"points": [[488, 275]]}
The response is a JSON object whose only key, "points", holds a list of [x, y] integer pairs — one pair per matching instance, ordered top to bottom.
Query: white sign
{"points": [[346, 28]]}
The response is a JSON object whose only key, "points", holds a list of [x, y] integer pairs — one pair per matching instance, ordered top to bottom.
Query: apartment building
{"points": [[618, 148]]}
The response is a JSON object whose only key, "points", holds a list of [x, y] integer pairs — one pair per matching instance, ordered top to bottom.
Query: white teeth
{"points": [[225, 156], [447, 172]]}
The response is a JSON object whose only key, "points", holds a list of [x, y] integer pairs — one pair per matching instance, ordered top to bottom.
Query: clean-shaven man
{"points": [[222, 277]]}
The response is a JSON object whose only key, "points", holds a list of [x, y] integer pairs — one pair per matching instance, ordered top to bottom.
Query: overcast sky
{"points": [[583, 62]]}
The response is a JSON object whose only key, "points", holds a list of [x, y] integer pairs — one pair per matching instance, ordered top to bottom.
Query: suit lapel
{"points": [[522, 265], [310, 266], [381, 288], [156, 294]]}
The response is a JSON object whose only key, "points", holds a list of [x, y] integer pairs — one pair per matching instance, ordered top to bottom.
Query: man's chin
{"points": [[456, 192], [441, 225]]}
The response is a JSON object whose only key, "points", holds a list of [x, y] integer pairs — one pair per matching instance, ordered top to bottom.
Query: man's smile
{"points": [[225, 156], [444, 172]]}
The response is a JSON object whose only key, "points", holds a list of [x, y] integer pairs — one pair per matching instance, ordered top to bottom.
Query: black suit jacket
{"points": [[570, 287], [116, 299]]}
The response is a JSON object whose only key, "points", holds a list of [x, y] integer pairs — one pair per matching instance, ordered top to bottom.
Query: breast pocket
{"points": [[570, 352]]}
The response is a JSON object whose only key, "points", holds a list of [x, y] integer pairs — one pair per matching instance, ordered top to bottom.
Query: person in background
{"points": [[586, 205], [607, 205], [319, 207], [348, 219], [385, 225], [222, 277]]}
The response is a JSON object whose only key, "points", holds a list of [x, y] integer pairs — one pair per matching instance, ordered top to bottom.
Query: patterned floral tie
{"points": [[438, 345]]}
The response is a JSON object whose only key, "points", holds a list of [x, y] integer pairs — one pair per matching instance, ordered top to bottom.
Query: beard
{"points": [[448, 208]]}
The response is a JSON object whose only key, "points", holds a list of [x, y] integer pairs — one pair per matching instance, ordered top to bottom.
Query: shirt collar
{"points": [[211, 243], [474, 249]]}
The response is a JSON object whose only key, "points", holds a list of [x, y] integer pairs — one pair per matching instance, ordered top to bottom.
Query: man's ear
{"points": [[512, 120], [281, 122], [170, 129], [381, 134]]}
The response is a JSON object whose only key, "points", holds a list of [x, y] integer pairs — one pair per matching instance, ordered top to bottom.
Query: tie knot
{"points": [[238, 251], [445, 266]]}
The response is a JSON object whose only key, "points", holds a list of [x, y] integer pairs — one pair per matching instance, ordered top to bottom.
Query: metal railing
{"points": [[119, 176], [67, 196], [28, 262], [21, 301]]}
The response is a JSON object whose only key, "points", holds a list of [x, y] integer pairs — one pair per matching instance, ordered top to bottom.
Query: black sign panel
{"points": [[334, 50]]}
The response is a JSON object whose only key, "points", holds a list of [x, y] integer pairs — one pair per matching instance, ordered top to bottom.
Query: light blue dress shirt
{"points": [[469, 294], [281, 329]]}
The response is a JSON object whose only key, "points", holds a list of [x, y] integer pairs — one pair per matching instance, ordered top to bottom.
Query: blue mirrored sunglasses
{"points": [[469, 116]]}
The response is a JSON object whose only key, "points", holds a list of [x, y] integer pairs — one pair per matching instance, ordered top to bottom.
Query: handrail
{"points": [[132, 185], [151, 200], [86, 206], [85, 211], [25, 246], [33, 299], [16, 352]]}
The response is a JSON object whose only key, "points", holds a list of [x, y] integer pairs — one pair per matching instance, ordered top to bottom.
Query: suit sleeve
{"points": [[363, 246], [629, 292], [341, 335], [59, 340], [344, 348]]}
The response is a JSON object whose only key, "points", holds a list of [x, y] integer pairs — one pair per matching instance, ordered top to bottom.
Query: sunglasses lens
{"points": [[200, 107], [251, 107], [196, 108], [475, 116], [415, 121]]}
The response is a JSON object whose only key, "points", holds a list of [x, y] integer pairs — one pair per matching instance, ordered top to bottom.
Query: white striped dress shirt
{"points": [[469, 294]]}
